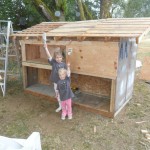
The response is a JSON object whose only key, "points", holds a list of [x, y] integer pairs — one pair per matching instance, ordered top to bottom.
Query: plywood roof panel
{"points": [[111, 27]]}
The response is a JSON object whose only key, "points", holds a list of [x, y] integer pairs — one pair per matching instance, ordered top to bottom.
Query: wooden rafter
{"points": [[106, 28]]}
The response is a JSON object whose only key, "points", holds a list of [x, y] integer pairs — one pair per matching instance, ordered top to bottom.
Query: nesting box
{"points": [[102, 60]]}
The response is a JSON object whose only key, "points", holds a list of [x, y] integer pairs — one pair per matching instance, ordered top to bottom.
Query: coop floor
{"points": [[82, 99]]}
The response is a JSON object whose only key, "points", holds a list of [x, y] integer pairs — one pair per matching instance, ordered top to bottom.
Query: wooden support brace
{"points": [[14, 38], [25, 38], [39, 38], [57, 38], [81, 38], [107, 39], [24, 71], [112, 98]]}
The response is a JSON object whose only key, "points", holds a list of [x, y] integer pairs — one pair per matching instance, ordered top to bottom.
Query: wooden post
{"points": [[113, 95]]}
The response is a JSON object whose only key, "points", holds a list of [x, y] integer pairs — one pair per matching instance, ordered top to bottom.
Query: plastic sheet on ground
{"points": [[33, 142]]}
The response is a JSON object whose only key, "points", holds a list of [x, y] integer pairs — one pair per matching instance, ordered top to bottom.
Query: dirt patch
{"points": [[22, 114]]}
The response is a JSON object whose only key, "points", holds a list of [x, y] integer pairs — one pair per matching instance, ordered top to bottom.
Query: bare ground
{"points": [[21, 114]]}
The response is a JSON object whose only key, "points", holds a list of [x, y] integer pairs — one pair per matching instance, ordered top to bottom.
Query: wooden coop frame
{"points": [[102, 60]]}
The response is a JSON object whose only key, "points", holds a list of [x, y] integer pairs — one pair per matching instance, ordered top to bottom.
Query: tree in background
{"points": [[105, 6], [118, 7], [137, 8], [64, 10], [21, 12], [26, 13]]}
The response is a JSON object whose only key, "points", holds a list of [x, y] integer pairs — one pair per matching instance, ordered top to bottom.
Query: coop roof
{"points": [[107, 28]]}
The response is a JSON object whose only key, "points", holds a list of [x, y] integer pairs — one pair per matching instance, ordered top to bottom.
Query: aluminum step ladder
{"points": [[5, 30]]}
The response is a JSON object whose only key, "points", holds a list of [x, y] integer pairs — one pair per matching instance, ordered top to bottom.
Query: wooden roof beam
{"points": [[25, 38], [39, 38], [57, 38], [81, 38], [107, 39], [139, 39]]}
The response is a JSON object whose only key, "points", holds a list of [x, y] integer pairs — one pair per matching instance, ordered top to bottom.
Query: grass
{"points": [[22, 114]]}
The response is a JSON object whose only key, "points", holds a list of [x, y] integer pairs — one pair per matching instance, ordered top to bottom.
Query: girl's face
{"points": [[58, 58], [62, 75]]}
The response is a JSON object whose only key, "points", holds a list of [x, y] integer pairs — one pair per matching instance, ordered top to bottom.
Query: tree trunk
{"points": [[61, 5], [105, 9], [47, 13], [88, 13], [82, 17]]}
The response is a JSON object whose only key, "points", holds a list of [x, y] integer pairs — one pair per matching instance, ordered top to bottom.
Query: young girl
{"points": [[56, 63], [65, 92]]}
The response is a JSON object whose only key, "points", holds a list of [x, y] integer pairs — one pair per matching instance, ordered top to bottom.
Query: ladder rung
{"points": [[3, 33], [3, 46], [12, 55], [2, 58], [2, 71], [15, 74], [1, 78], [1, 83]]}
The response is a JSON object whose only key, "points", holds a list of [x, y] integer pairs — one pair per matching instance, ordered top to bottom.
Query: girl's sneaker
{"points": [[58, 109], [70, 117], [63, 118]]}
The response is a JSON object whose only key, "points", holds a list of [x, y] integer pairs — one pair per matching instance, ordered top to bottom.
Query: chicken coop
{"points": [[102, 60]]}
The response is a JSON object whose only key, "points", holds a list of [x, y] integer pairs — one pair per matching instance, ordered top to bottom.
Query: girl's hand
{"points": [[45, 46], [68, 64], [57, 94]]}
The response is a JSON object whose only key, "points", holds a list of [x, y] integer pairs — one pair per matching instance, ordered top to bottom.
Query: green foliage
{"points": [[118, 7], [137, 8], [93, 9], [70, 11], [21, 12], [25, 13]]}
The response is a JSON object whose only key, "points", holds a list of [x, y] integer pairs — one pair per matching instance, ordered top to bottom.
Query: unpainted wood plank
{"points": [[141, 18], [127, 20], [126, 23], [105, 25], [129, 29], [69, 30], [115, 31], [21, 34], [63, 34], [143, 34], [109, 35], [57, 38], [81, 38], [49, 43], [23, 50], [32, 51], [94, 58], [36, 65], [145, 70], [24, 74], [32, 76], [44, 76], [93, 85], [113, 95], [103, 112], [117, 112]]}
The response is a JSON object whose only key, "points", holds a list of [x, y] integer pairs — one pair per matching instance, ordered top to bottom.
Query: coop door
{"points": [[126, 70]]}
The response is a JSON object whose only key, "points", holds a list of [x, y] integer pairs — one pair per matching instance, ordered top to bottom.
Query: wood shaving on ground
{"points": [[139, 122]]}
